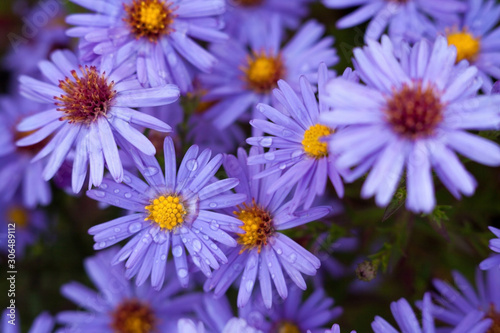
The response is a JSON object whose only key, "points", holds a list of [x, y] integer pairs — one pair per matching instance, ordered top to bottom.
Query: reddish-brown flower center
{"points": [[248, 3], [149, 18], [262, 72], [86, 97], [414, 111], [30, 150], [257, 226], [132, 316], [495, 316]]}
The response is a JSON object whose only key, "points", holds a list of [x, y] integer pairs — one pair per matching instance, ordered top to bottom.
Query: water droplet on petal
{"points": [[286, 133], [266, 141], [297, 153], [269, 156], [192, 164], [282, 166], [150, 171], [126, 179], [103, 186], [116, 191], [99, 194], [128, 195], [213, 205], [214, 225], [134, 227], [116, 230], [184, 230], [184, 240], [102, 245], [196, 245], [177, 251], [279, 251], [163, 257], [293, 257], [182, 272], [249, 286]]}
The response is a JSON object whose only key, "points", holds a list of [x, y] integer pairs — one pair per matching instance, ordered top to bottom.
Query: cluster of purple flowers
{"points": [[154, 82]]}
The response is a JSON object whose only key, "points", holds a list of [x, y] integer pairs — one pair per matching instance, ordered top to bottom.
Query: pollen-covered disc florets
{"points": [[149, 18], [467, 45], [263, 72], [86, 97], [414, 111], [312, 143], [168, 211], [17, 215], [257, 226], [132, 316], [495, 316], [286, 327]]}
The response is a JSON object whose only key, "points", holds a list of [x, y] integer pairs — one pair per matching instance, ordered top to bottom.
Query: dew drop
{"points": [[286, 133], [266, 141], [297, 153], [270, 156], [192, 165], [282, 166], [150, 171], [126, 179], [104, 186], [116, 191], [99, 194], [128, 195], [213, 205], [214, 225], [134, 227], [117, 230], [184, 230], [145, 240], [184, 240], [102, 245], [196, 245], [214, 246], [177, 251], [279, 251], [163, 257], [293, 258], [182, 272], [249, 285]]}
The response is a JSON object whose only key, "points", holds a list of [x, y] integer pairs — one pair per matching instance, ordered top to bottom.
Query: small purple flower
{"points": [[243, 16], [408, 17], [157, 35], [248, 72], [89, 107], [412, 113], [299, 140], [17, 173], [171, 211], [263, 252], [493, 261], [455, 304], [119, 306], [10, 322], [234, 325], [335, 329]]}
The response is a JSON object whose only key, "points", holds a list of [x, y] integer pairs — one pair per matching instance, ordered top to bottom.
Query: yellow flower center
{"points": [[149, 18], [467, 46], [263, 72], [313, 146], [168, 212], [18, 215], [257, 226], [131, 316], [286, 327]]}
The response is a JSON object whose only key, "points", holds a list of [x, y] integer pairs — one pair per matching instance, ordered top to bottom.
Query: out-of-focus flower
{"points": [[243, 16], [403, 17], [158, 35], [248, 72], [92, 106], [412, 113], [299, 140], [17, 173], [171, 211], [24, 224], [263, 252], [493, 261], [455, 304], [120, 306], [43, 323], [234, 325], [335, 329]]}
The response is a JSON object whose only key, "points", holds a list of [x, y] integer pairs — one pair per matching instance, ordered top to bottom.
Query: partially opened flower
{"points": [[243, 16], [402, 17], [157, 35], [248, 72], [86, 108], [411, 114], [299, 140], [170, 211], [263, 252], [494, 260], [120, 306]]}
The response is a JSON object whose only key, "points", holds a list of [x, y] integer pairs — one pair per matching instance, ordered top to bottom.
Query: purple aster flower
{"points": [[243, 16], [401, 16], [158, 35], [476, 39], [248, 72], [92, 106], [413, 113], [299, 141], [17, 173], [170, 211], [29, 224], [263, 252], [493, 261], [457, 304], [120, 306], [295, 314], [408, 322], [43, 323], [234, 325], [335, 329]]}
